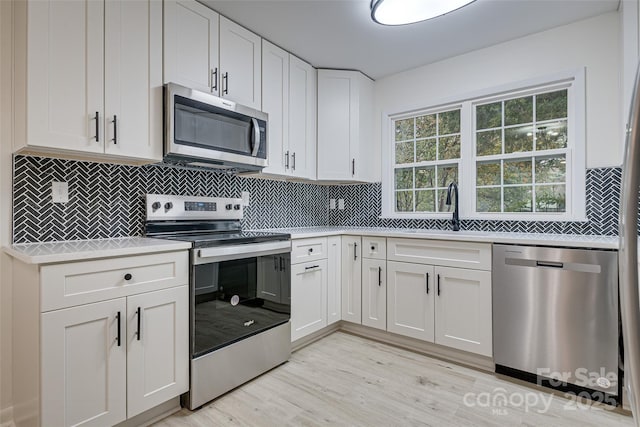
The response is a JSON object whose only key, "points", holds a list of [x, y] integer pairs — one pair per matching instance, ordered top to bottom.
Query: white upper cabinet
{"points": [[191, 40], [84, 63], [240, 64], [289, 97], [275, 102], [345, 127]]}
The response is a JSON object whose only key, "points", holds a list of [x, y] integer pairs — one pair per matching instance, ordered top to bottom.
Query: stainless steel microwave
{"points": [[204, 130]]}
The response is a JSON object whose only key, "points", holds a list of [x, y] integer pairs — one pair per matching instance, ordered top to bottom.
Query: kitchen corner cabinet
{"points": [[208, 52], [98, 89], [289, 97], [345, 127], [352, 279], [101, 340]]}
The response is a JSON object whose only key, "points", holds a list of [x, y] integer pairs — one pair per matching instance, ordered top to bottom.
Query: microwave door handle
{"points": [[256, 137]]}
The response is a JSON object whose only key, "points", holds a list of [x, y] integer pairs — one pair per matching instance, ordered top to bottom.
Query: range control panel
{"points": [[167, 207]]}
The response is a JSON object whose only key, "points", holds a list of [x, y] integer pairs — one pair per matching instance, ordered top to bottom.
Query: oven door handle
{"points": [[248, 250]]}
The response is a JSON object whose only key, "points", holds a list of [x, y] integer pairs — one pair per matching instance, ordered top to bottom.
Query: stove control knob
{"points": [[156, 205], [168, 206], [228, 207], [236, 207]]}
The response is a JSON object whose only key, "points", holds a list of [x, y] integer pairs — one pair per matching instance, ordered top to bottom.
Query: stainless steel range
{"points": [[239, 291]]}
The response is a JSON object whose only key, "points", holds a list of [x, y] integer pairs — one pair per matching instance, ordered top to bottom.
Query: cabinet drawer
{"points": [[374, 247], [304, 250], [441, 252], [70, 284]]}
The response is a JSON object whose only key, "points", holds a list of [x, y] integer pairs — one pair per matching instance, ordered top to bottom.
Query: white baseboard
{"points": [[6, 417]]}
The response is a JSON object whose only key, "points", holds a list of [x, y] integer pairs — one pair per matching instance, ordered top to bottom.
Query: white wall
{"points": [[593, 43], [5, 211]]}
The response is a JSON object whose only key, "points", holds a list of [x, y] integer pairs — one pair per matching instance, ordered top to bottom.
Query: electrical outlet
{"points": [[59, 192], [245, 198], [332, 203], [341, 204]]}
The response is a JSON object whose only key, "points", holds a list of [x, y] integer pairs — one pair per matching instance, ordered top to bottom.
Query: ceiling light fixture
{"points": [[401, 12]]}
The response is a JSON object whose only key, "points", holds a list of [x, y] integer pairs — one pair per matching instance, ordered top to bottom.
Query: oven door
{"points": [[238, 291]]}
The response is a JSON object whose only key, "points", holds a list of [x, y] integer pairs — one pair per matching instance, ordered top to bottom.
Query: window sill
{"points": [[488, 217]]}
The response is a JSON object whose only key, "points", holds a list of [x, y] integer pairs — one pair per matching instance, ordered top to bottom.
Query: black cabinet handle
{"points": [[214, 80], [225, 83], [97, 119], [115, 129], [286, 161], [293, 161], [353, 167], [355, 251], [275, 263], [282, 265], [311, 267], [379, 276], [128, 277], [427, 283], [438, 285], [139, 333], [118, 337]]}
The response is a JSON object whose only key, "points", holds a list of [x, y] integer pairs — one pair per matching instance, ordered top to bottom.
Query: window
{"points": [[516, 152], [427, 155]]}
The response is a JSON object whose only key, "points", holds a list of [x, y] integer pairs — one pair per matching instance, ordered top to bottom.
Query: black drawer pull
{"points": [[311, 267], [128, 277]]}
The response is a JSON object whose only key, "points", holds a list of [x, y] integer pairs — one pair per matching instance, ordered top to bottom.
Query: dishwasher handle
{"points": [[549, 264], [565, 266]]}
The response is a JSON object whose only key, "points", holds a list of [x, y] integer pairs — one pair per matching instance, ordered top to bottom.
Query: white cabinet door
{"points": [[191, 44], [240, 64], [65, 75], [133, 78], [275, 102], [336, 107], [302, 118], [334, 279], [352, 279], [374, 293], [308, 298], [410, 300], [463, 310], [158, 348], [83, 365]]}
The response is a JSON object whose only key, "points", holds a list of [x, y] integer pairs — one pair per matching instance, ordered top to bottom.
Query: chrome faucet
{"points": [[455, 221]]}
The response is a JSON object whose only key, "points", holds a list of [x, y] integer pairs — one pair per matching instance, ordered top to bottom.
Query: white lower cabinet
{"points": [[334, 279], [352, 279], [374, 293], [308, 298], [410, 300], [463, 310], [122, 351]]}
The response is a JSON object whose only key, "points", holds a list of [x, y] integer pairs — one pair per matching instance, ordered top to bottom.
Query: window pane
{"points": [[551, 105], [518, 111], [489, 115], [449, 122], [426, 126], [404, 129], [551, 136], [518, 139], [489, 143], [449, 147], [426, 150], [404, 152], [551, 169], [517, 172], [488, 173], [447, 175], [425, 177], [404, 178], [550, 198], [442, 199], [518, 199], [425, 200], [488, 200], [404, 201]]}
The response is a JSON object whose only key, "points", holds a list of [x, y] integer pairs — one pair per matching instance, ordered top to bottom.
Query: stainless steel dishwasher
{"points": [[555, 315]]}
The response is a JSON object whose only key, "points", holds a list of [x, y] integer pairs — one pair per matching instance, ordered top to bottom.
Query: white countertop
{"points": [[568, 240], [75, 250]]}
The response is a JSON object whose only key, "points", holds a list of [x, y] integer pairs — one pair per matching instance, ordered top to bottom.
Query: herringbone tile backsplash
{"points": [[107, 200]]}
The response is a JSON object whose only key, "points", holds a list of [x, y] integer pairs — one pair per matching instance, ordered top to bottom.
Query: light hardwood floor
{"points": [[345, 380]]}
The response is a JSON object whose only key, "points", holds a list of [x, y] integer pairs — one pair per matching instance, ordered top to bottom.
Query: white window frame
{"points": [[572, 80]]}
